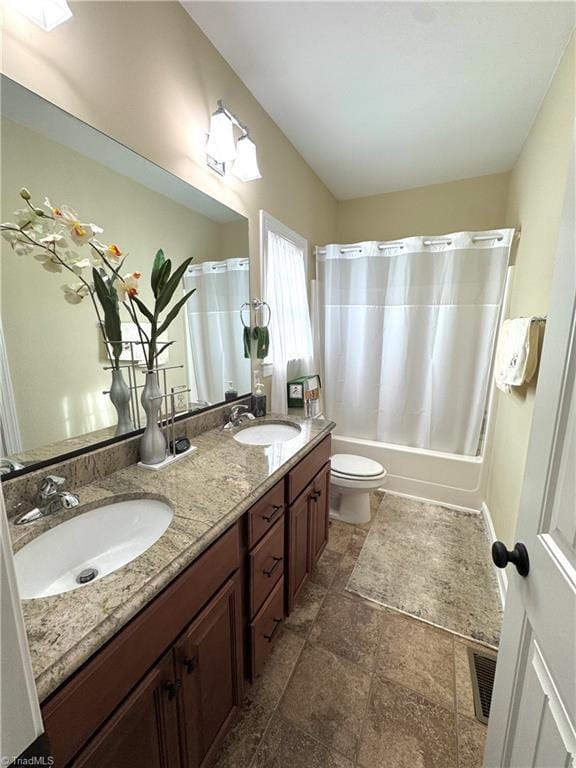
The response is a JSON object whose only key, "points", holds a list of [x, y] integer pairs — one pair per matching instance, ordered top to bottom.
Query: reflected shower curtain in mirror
{"points": [[214, 327], [407, 333]]}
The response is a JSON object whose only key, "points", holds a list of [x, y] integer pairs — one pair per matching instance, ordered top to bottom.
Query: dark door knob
{"points": [[518, 556]]}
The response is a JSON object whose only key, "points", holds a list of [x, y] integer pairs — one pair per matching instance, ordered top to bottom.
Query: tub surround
{"points": [[208, 492]]}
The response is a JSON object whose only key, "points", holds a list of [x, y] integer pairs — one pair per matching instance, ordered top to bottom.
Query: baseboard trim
{"points": [[457, 507], [500, 572]]}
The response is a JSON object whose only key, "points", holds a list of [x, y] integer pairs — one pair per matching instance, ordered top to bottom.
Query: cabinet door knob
{"points": [[316, 495], [189, 664], [172, 689]]}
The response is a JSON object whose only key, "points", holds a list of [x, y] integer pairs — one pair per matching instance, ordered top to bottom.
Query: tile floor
{"points": [[351, 683]]}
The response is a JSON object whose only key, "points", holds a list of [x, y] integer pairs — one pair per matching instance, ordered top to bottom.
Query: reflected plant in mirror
{"points": [[45, 233], [51, 235]]}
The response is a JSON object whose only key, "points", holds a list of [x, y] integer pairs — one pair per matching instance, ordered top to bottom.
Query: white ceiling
{"points": [[381, 96]]}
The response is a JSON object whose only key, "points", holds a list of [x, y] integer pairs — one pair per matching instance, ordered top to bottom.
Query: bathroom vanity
{"points": [[162, 688]]}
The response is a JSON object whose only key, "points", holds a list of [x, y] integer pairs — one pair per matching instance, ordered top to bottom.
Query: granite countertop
{"points": [[208, 491]]}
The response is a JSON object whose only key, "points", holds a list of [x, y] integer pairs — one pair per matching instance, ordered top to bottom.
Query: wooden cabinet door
{"points": [[319, 510], [299, 560], [208, 659], [144, 730]]}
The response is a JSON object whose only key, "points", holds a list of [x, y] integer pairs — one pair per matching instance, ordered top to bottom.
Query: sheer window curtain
{"points": [[285, 290], [407, 334]]}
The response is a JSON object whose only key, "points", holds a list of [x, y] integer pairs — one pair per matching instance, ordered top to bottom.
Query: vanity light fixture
{"points": [[47, 14], [222, 148], [245, 166]]}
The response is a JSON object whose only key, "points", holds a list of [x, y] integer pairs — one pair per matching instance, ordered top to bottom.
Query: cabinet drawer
{"points": [[304, 472], [266, 511], [266, 565], [264, 628]]}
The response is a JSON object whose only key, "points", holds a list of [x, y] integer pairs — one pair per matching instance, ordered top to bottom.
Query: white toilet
{"points": [[353, 478]]}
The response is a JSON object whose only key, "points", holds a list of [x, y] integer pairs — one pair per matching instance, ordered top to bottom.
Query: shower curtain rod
{"points": [[399, 244]]}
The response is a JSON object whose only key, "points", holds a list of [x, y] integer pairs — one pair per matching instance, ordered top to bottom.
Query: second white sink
{"points": [[266, 434], [89, 546]]}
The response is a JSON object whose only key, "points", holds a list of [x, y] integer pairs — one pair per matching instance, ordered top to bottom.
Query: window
{"points": [[284, 261]]}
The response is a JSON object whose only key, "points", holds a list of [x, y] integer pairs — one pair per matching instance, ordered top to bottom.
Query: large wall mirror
{"points": [[55, 372]]}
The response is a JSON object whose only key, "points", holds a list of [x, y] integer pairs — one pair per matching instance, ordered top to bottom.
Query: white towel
{"points": [[517, 352]]}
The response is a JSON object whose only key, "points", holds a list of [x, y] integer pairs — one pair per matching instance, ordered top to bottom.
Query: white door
{"points": [[533, 715]]}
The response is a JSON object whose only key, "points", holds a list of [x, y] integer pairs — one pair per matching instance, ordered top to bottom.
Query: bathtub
{"points": [[444, 478]]}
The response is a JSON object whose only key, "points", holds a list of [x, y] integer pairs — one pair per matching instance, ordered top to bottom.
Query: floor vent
{"points": [[482, 671]]}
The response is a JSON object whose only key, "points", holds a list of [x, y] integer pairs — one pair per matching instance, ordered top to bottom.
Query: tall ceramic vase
{"points": [[120, 397], [152, 442]]}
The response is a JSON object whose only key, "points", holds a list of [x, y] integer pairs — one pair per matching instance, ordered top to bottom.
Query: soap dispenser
{"points": [[231, 393], [258, 398]]}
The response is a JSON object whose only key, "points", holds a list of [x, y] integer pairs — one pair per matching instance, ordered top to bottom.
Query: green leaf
{"points": [[159, 260], [163, 276], [168, 291], [109, 301], [143, 308], [174, 311]]}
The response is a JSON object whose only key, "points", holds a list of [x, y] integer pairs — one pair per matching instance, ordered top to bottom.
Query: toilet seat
{"points": [[357, 468]]}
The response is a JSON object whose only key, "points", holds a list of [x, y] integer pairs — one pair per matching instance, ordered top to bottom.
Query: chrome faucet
{"points": [[238, 415], [9, 465], [49, 499]]}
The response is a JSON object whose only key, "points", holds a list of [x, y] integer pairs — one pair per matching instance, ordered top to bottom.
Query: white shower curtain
{"points": [[214, 327], [407, 332]]}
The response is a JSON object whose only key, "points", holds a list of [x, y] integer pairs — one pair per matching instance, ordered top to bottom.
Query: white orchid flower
{"points": [[25, 216], [9, 232], [79, 232], [54, 237], [22, 248], [112, 252], [49, 264], [80, 265], [128, 286], [75, 293]]}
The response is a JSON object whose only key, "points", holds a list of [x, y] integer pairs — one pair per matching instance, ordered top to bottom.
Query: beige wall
{"points": [[152, 84], [537, 187], [472, 204], [54, 349]]}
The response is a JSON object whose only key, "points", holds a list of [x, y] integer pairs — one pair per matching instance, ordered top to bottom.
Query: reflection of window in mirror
{"points": [[284, 280], [57, 377]]}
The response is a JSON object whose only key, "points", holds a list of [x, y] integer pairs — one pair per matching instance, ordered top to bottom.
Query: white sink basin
{"points": [[266, 434], [103, 539]]}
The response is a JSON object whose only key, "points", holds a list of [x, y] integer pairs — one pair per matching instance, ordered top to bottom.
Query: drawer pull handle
{"points": [[316, 495], [275, 510], [270, 571], [277, 623], [190, 664], [172, 689]]}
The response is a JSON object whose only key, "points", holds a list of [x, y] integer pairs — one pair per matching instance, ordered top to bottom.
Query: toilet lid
{"points": [[355, 466]]}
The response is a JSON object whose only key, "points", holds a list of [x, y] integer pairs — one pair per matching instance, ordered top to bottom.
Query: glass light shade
{"points": [[47, 14], [220, 145], [245, 166]]}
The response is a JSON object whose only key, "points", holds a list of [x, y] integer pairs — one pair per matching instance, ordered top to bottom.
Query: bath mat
{"points": [[432, 563]]}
